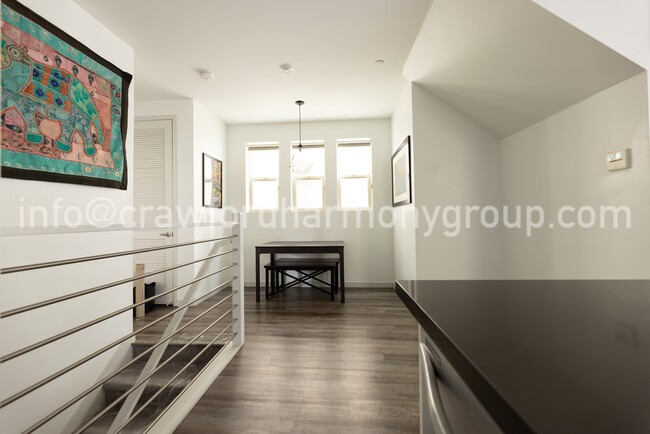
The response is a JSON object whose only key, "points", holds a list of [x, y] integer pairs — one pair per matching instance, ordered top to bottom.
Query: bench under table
{"points": [[277, 273]]}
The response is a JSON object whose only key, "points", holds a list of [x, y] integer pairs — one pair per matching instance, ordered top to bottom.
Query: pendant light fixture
{"points": [[299, 165]]}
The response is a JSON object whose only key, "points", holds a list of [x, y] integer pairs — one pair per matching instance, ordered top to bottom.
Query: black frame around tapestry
{"points": [[66, 122], [402, 173], [212, 182]]}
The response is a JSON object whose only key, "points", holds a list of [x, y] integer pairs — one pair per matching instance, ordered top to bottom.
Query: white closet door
{"points": [[153, 200]]}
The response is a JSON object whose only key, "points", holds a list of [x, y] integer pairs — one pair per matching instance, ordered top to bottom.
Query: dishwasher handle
{"points": [[432, 391]]}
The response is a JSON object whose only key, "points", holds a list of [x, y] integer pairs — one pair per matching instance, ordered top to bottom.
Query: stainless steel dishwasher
{"points": [[447, 406]]}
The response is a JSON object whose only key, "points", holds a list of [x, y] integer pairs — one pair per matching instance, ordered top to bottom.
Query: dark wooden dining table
{"points": [[273, 248]]}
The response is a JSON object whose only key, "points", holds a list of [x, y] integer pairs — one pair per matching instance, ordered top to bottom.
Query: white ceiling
{"points": [[332, 44], [508, 64]]}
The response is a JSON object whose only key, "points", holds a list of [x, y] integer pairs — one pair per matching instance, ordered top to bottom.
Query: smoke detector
{"points": [[286, 68], [206, 75]]}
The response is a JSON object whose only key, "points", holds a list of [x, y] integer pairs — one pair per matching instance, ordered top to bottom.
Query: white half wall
{"points": [[561, 162], [368, 249], [23, 288]]}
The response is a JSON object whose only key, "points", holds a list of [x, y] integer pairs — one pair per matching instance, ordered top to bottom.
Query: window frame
{"points": [[252, 147], [295, 177], [339, 177]]}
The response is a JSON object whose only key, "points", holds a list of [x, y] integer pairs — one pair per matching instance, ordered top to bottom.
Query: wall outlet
{"points": [[619, 160]]}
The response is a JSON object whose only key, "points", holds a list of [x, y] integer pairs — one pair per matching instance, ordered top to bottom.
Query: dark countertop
{"points": [[556, 356]]}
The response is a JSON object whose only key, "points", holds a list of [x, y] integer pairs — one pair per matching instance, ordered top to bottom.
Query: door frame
{"points": [[174, 138]]}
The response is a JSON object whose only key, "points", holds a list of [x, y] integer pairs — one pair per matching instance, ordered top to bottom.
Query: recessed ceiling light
{"points": [[379, 62], [286, 68], [206, 75]]}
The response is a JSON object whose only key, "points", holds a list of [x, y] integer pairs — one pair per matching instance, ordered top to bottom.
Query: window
{"points": [[354, 161], [262, 173], [309, 189]]}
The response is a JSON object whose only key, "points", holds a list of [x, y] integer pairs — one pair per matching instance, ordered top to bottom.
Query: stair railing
{"points": [[223, 246]]}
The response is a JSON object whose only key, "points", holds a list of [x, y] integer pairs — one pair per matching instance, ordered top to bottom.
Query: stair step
{"points": [[192, 350], [123, 381], [137, 425]]}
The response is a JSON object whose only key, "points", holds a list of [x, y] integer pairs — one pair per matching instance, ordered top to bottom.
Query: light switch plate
{"points": [[619, 160]]}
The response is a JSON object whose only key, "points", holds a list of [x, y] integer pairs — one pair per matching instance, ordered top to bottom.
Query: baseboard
{"points": [[347, 284], [186, 402]]}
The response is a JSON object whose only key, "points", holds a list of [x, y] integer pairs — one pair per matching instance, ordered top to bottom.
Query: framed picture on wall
{"points": [[64, 108], [401, 173], [212, 182]]}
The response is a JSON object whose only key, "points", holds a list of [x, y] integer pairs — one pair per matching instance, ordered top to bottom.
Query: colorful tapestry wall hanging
{"points": [[64, 108]]}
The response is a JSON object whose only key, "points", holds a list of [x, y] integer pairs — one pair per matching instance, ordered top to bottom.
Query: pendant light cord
{"points": [[299, 103], [300, 128], [298, 164]]}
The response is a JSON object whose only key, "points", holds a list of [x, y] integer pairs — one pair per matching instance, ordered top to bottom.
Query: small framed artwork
{"points": [[401, 170], [212, 182]]}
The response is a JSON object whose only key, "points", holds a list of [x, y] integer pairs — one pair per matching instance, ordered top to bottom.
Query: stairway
{"points": [[122, 382]]}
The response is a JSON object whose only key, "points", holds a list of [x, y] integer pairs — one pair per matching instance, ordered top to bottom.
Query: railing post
{"points": [[238, 284], [139, 290]]}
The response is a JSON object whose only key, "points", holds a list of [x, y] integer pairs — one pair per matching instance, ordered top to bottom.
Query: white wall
{"points": [[196, 130], [209, 137], [569, 148], [557, 160], [561, 161], [457, 164], [404, 230], [368, 251], [21, 289]]}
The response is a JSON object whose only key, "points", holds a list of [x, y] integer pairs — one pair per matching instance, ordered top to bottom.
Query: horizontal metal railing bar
{"points": [[17, 231], [40, 265], [40, 304], [78, 328], [91, 356], [101, 382], [139, 383], [164, 410], [133, 416]]}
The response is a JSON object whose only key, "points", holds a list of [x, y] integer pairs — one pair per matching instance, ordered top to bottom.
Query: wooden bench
{"points": [[277, 273]]}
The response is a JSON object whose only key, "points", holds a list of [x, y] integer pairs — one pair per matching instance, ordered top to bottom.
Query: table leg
{"points": [[342, 259], [274, 275], [257, 276], [336, 276]]}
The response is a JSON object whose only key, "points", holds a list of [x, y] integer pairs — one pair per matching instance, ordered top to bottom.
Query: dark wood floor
{"points": [[314, 366]]}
